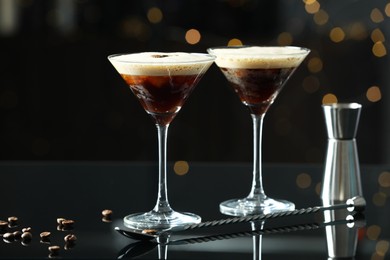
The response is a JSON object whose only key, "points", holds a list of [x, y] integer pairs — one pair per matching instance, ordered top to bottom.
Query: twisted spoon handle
{"points": [[353, 204]]}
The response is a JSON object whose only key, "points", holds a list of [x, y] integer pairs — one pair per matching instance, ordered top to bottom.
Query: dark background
{"points": [[60, 99]]}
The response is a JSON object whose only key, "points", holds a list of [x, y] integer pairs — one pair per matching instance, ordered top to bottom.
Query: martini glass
{"points": [[257, 74], [162, 82]]}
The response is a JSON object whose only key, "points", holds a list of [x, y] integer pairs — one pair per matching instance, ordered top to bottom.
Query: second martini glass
{"points": [[257, 74], [162, 82]]}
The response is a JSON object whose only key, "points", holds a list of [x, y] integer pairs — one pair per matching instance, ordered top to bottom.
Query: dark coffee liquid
{"points": [[257, 88], [162, 96]]}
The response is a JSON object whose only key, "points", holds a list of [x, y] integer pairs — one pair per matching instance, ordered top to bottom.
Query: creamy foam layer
{"points": [[255, 57], [161, 63]]}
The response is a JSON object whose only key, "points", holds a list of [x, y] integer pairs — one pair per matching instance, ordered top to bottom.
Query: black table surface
{"points": [[38, 193]]}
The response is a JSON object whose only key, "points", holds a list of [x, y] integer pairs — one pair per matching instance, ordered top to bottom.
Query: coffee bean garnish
{"points": [[149, 231]]}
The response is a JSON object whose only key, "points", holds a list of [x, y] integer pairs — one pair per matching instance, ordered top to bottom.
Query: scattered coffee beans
{"points": [[67, 223]]}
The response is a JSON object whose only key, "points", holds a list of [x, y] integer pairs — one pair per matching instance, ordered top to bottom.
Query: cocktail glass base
{"points": [[249, 206], [160, 221]]}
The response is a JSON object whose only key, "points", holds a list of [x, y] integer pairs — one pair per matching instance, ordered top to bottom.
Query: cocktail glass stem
{"points": [[257, 191], [162, 204]]}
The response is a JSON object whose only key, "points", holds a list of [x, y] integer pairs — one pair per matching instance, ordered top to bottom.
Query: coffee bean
{"points": [[107, 213], [12, 221], [59, 221], [67, 223], [3, 225], [26, 229], [17, 235], [45, 235], [26, 236], [8, 237], [70, 238], [69, 246], [54, 249]]}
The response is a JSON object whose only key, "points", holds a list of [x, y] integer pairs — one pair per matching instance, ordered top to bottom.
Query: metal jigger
{"points": [[341, 179]]}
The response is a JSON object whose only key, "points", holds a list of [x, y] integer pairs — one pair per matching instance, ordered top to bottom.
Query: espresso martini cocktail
{"points": [[257, 74], [162, 82]]}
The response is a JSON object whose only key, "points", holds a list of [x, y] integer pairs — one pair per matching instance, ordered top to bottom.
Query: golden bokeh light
{"points": [[309, 2], [312, 7], [387, 10], [155, 15], [376, 15], [321, 17], [358, 31], [337, 34], [377, 35], [192, 36], [285, 38], [234, 42], [379, 49], [314, 65], [311, 84], [374, 94], [329, 99], [181, 167], [384, 179], [303, 180], [318, 188], [379, 199], [373, 232], [382, 247], [375, 256]]}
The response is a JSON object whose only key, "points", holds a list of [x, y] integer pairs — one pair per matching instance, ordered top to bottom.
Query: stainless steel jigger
{"points": [[341, 179]]}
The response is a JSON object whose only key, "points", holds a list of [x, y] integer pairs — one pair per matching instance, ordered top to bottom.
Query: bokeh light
{"points": [[312, 7], [155, 15], [376, 16], [321, 17], [337, 34], [377, 35], [192, 36], [285, 38], [234, 42], [379, 50], [314, 65], [311, 84], [374, 94], [329, 99], [181, 167], [384, 179], [303, 180], [379, 199], [373, 232], [382, 247]]}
